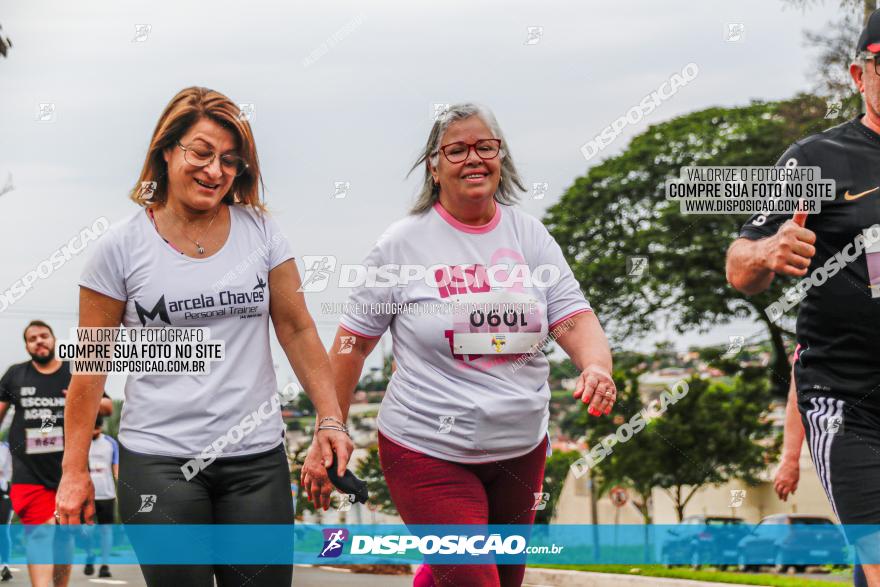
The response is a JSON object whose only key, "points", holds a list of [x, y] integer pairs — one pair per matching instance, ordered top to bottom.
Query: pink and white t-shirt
{"points": [[467, 388]]}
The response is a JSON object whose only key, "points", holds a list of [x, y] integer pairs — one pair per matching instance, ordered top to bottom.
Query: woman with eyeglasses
{"points": [[201, 251], [463, 423]]}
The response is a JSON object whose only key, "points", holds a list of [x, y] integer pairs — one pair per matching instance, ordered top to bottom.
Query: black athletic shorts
{"points": [[844, 441], [253, 489], [104, 510]]}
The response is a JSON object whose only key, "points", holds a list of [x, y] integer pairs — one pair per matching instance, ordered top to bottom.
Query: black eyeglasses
{"points": [[866, 56], [459, 151], [202, 156]]}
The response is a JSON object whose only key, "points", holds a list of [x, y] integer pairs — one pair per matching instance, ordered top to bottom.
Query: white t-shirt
{"points": [[486, 404], [181, 415], [103, 454], [5, 468]]}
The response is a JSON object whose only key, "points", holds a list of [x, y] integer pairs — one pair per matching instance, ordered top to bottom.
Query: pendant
{"points": [[200, 249]]}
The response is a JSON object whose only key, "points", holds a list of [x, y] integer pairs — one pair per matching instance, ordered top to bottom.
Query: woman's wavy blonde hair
{"points": [[189, 106]]}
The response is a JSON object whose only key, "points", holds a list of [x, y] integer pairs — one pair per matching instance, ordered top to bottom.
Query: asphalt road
{"points": [[302, 577]]}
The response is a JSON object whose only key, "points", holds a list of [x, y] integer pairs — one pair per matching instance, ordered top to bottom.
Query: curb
{"points": [[563, 578]]}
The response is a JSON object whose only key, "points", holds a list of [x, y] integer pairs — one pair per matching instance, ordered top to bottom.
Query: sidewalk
{"points": [[561, 578]]}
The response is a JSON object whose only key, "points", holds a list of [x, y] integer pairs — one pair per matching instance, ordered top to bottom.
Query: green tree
{"points": [[836, 43], [618, 209], [560, 370], [377, 379], [303, 405], [111, 422], [712, 434], [296, 458], [633, 467], [370, 471], [555, 472]]}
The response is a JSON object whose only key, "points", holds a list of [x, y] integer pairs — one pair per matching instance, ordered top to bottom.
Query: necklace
{"points": [[199, 248]]}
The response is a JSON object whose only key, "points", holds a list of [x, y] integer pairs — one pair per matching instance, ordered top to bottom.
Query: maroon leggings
{"points": [[428, 490]]}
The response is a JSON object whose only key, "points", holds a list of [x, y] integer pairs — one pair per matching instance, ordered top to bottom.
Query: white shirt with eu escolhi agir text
{"points": [[182, 414]]}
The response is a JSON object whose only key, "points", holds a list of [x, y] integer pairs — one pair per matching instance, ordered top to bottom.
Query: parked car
{"points": [[704, 540], [792, 540]]}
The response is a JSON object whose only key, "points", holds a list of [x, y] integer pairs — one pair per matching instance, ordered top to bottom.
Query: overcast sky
{"points": [[344, 91]]}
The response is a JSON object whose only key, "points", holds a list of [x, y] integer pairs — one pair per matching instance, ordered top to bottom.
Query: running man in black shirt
{"points": [[837, 372], [37, 389]]}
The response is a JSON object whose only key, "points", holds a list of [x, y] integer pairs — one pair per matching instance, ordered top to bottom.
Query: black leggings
{"points": [[233, 490]]}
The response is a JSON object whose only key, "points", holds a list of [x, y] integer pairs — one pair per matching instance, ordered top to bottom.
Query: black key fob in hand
{"points": [[348, 483]]}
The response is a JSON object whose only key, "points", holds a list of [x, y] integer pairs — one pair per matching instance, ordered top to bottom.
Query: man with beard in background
{"points": [[37, 389]]}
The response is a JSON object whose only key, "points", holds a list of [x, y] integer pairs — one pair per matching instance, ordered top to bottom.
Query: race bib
{"points": [[496, 323], [39, 441]]}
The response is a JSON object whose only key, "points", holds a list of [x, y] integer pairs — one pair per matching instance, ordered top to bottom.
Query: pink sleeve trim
{"points": [[567, 316], [356, 333]]}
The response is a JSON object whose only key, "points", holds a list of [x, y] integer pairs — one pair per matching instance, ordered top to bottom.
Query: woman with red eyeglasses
{"points": [[463, 424]]}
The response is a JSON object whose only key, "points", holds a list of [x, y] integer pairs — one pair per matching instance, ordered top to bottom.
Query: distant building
{"points": [[573, 506]]}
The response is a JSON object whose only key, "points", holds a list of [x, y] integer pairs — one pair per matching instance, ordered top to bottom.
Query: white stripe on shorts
{"points": [[823, 410]]}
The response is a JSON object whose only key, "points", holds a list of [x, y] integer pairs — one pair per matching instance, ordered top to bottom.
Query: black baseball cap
{"points": [[869, 40]]}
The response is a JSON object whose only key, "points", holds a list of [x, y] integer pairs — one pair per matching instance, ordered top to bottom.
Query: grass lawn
{"points": [[709, 575]]}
